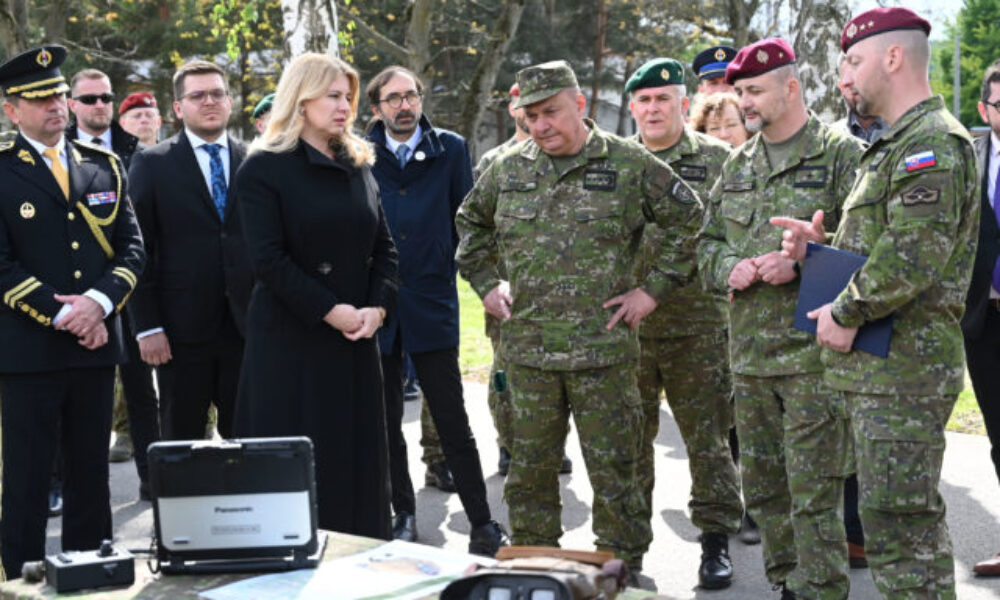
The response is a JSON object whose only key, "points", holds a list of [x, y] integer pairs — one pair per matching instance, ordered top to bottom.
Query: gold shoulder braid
{"points": [[95, 223]]}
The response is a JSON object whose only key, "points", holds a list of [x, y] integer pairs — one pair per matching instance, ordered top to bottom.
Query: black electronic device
{"points": [[234, 506], [108, 566]]}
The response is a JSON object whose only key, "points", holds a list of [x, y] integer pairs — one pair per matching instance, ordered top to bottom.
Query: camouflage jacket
{"points": [[491, 155], [698, 159], [818, 174], [917, 221], [568, 241]]}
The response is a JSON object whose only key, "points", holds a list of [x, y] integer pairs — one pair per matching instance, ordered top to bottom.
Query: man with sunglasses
{"points": [[92, 103], [423, 174], [189, 309]]}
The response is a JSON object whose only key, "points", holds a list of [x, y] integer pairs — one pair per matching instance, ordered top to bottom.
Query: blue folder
{"points": [[824, 274]]}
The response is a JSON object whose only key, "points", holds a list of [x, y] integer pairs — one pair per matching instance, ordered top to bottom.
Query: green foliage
{"points": [[978, 25]]}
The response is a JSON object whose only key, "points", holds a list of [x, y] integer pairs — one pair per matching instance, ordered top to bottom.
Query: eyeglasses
{"points": [[200, 96], [91, 99], [396, 100], [995, 104]]}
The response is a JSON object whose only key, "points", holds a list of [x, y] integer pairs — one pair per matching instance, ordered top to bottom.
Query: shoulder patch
{"points": [[4, 146], [94, 147], [920, 160], [682, 193], [920, 194]]}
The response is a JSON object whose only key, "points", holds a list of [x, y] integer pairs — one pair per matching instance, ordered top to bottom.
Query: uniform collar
{"points": [[912, 115], [809, 145], [40, 147], [595, 147]]}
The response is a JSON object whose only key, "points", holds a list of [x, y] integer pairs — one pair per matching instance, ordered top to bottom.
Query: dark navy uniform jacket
{"points": [[420, 201], [50, 246]]}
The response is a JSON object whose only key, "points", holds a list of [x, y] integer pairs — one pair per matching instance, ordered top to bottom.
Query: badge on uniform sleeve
{"points": [[915, 162], [920, 194], [99, 198], [27, 210]]}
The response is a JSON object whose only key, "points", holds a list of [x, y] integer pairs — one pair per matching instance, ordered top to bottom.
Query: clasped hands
{"points": [[794, 241], [632, 305], [85, 320], [355, 323]]}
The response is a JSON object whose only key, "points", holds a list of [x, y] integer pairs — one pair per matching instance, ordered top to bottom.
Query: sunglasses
{"points": [[91, 99], [995, 104]]}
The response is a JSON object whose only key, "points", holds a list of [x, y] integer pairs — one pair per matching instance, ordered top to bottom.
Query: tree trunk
{"points": [[55, 21], [14, 26], [310, 26], [602, 27], [417, 41], [817, 47], [474, 101], [623, 111]]}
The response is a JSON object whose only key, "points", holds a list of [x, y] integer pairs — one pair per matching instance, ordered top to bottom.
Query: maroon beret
{"points": [[881, 20], [759, 58], [515, 90], [137, 100]]}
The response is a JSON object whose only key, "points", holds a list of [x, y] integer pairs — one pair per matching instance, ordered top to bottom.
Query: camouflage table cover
{"points": [[148, 586]]}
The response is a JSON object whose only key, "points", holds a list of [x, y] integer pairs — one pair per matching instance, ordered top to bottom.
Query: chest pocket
{"points": [[517, 207], [736, 211], [601, 219]]}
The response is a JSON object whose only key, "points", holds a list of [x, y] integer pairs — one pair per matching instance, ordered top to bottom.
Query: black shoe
{"points": [[411, 390], [503, 465], [566, 466], [439, 476], [144, 491], [55, 502], [404, 527], [486, 539], [716, 570]]}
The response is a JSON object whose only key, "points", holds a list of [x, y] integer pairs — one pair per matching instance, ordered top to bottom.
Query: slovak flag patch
{"points": [[920, 161]]}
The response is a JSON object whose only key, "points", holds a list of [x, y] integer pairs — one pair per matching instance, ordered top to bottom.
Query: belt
{"points": [[995, 304]]}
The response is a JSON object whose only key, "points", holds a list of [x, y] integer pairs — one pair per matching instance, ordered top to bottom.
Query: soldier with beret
{"points": [[710, 67], [262, 113], [139, 115], [914, 212], [562, 216], [70, 256], [683, 342], [793, 429]]}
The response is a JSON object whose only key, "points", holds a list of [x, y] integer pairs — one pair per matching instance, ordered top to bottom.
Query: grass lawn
{"points": [[475, 355]]}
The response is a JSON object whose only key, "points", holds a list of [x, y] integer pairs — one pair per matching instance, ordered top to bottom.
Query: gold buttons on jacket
{"points": [[70, 216], [75, 245], [77, 274]]}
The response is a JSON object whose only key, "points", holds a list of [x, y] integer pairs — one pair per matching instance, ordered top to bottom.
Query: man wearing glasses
{"points": [[423, 174], [188, 311], [981, 322]]}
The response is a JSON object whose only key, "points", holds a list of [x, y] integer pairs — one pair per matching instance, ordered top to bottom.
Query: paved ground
{"points": [[969, 486]]}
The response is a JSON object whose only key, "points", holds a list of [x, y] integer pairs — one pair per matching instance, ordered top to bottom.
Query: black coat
{"points": [[123, 143], [317, 237], [47, 247], [198, 267], [977, 301]]}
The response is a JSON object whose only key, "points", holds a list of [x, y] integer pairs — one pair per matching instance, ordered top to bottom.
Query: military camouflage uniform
{"points": [[918, 228], [568, 241], [683, 351], [499, 402], [793, 430]]}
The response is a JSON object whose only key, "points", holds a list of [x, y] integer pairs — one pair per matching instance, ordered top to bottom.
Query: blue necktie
{"points": [[402, 153], [219, 187], [996, 213]]}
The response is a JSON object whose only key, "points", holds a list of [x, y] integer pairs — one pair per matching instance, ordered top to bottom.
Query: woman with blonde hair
{"points": [[719, 116], [326, 276]]}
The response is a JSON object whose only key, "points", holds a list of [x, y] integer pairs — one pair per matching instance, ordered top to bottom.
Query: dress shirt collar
{"points": [[86, 137], [197, 142], [412, 142], [994, 145], [40, 147]]}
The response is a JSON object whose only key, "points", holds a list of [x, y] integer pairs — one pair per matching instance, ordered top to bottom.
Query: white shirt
{"points": [[86, 137], [412, 142], [205, 159], [992, 166], [93, 294]]}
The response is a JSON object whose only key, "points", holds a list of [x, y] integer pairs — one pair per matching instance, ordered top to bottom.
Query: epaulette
{"points": [[5, 146], [95, 147]]}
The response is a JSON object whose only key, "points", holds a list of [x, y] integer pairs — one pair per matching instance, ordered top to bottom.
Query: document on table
{"points": [[399, 570]]}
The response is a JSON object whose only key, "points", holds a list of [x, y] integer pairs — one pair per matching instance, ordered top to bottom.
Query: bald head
{"points": [[913, 45]]}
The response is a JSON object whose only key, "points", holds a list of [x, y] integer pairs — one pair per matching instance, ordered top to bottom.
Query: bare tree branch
{"points": [[387, 45]]}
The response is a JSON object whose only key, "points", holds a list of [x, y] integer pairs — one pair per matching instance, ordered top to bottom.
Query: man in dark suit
{"points": [[92, 103], [423, 174], [70, 256], [190, 306], [981, 322]]}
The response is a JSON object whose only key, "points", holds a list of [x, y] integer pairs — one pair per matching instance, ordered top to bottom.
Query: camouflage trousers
{"points": [[694, 371], [606, 411], [429, 439], [899, 446], [795, 453]]}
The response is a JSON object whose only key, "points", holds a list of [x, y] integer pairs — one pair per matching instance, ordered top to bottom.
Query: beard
{"points": [[97, 122], [757, 124], [395, 127]]}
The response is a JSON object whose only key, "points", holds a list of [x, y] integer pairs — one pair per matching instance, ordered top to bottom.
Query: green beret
{"points": [[656, 73], [539, 82], [263, 107]]}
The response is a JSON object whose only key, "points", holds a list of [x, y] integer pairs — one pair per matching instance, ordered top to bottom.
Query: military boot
{"points": [[503, 464], [716, 570]]}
